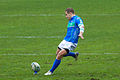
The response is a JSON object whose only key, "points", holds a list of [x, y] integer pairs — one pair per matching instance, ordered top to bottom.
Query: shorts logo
{"points": [[72, 47]]}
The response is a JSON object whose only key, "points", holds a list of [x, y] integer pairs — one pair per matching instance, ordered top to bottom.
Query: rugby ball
{"points": [[35, 66]]}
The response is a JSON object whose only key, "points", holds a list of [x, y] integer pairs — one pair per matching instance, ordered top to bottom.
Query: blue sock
{"points": [[70, 54], [55, 65], [35, 72]]}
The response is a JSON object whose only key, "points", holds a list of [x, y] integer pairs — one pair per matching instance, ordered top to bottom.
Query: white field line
{"points": [[13, 15], [33, 15], [48, 37], [27, 54], [30, 54]]}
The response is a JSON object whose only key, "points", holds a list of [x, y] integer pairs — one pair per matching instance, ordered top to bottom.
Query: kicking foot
{"points": [[76, 56], [48, 73]]}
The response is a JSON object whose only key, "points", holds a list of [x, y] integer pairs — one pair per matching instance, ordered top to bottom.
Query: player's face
{"points": [[68, 15]]}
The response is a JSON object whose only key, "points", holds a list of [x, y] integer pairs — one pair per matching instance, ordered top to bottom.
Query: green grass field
{"points": [[37, 27]]}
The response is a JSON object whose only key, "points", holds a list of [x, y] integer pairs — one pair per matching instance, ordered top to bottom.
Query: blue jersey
{"points": [[73, 29]]}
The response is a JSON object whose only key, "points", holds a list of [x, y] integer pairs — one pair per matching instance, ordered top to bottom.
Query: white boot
{"points": [[48, 73]]}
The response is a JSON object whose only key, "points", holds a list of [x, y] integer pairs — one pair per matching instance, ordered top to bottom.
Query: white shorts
{"points": [[67, 45]]}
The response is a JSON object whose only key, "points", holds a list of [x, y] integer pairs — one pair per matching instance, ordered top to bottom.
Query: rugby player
{"points": [[75, 29]]}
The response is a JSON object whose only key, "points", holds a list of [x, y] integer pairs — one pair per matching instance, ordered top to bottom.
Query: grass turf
{"points": [[45, 19]]}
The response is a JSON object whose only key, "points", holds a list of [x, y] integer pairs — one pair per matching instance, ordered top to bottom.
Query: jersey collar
{"points": [[72, 17]]}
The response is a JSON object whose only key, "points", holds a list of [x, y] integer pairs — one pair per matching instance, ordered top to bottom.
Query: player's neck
{"points": [[72, 15]]}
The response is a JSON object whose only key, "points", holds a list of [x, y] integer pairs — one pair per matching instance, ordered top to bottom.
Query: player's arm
{"points": [[81, 26], [81, 31]]}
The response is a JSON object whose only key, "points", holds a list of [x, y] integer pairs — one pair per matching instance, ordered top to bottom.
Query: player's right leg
{"points": [[57, 61]]}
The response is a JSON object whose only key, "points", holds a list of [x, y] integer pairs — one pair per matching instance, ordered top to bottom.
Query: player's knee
{"points": [[59, 55]]}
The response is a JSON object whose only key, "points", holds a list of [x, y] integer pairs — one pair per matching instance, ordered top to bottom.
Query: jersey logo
{"points": [[72, 24]]}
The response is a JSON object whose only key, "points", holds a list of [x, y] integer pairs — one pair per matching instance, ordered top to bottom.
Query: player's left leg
{"points": [[71, 46], [70, 54], [74, 55]]}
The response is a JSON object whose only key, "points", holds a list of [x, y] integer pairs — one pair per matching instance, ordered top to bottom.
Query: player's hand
{"points": [[81, 35]]}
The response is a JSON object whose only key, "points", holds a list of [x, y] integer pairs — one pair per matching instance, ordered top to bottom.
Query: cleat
{"points": [[76, 56], [35, 73], [48, 73]]}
